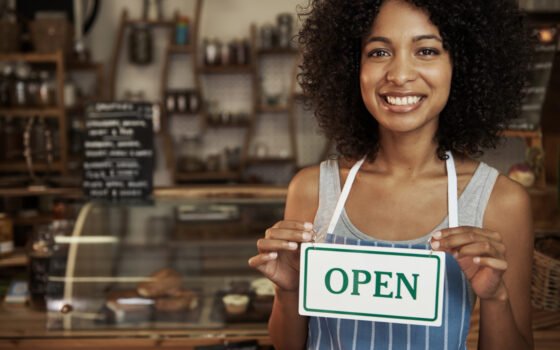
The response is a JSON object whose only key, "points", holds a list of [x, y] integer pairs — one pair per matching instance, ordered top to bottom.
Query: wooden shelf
{"points": [[157, 23], [180, 49], [278, 51], [32, 57], [77, 65], [238, 69], [300, 96], [273, 109], [32, 112], [228, 126], [522, 133], [270, 160], [20, 166], [207, 176], [46, 191], [34, 220], [17, 258]]}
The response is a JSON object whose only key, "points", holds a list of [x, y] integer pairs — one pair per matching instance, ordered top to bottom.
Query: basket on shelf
{"points": [[9, 32], [50, 35], [545, 286]]}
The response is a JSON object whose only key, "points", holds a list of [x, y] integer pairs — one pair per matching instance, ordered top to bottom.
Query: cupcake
{"points": [[263, 288], [235, 304]]}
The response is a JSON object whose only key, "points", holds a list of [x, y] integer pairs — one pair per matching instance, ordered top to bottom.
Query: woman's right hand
{"points": [[278, 257]]}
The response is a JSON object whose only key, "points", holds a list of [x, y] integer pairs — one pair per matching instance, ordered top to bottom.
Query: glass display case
{"points": [[179, 263]]}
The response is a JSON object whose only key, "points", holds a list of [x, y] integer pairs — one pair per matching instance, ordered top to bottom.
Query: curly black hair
{"points": [[489, 46]]}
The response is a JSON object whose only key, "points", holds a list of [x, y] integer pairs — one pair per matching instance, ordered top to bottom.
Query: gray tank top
{"points": [[472, 203]]}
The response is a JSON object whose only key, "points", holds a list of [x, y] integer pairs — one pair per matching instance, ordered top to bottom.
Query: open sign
{"points": [[372, 283]]}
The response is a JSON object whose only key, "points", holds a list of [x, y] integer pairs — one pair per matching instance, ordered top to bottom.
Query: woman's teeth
{"points": [[403, 101]]}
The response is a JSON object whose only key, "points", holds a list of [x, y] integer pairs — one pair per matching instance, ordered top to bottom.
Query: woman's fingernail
{"points": [[307, 226], [436, 235], [306, 236], [292, 245], [435, 245], [272, 255], [476, 260]]}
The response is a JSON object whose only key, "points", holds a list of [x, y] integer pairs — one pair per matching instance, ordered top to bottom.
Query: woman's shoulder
{"points": [[303, 194], [508, 196], [509, 210]]}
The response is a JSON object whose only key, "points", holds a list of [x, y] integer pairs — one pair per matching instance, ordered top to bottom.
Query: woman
{"points": [[413, 87]]}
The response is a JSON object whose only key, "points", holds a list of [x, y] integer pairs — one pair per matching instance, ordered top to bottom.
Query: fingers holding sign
{"points": [[480, 253], [278, 257]]}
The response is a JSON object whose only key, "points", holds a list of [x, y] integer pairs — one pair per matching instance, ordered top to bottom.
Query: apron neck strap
{"points": [[452, 201], [452, 206]]}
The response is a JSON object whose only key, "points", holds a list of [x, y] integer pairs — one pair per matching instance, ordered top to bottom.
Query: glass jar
{"points": [[284, 25], [267, 36], [212, 50], [225, 54], [6, 82], [33, 87], [47, 89], [70, 94], [19, 95], [76, 136], [13, 139], [39, 140], [190, 159], [6, 235], [39, 251], [46, 257]]}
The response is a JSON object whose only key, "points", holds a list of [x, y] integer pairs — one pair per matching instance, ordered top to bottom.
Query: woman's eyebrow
{"points": [[426, 37], [378, 38], [414, 39]]}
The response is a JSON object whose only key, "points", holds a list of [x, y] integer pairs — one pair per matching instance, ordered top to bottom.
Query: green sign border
{"points": [[438, 259]]}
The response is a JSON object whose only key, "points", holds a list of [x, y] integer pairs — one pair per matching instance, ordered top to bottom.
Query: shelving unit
{"points": [[124, 24], [173, 50], [283, 110], [77, 111], [57, 113]]}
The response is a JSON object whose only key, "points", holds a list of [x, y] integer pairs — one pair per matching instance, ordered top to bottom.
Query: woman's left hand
{"points": [[480, 254]]}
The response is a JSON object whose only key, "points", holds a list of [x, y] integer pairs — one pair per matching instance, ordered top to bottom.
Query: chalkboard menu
{"points": [[538, 78], [119, 151]]}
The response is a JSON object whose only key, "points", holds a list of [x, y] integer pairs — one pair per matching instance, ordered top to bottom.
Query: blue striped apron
{"points": [[334, 333]]}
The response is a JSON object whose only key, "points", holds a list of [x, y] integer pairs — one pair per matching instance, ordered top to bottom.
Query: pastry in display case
{"points": [[176, 264]]}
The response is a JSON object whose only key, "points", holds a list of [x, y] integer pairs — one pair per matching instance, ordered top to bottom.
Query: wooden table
{"points": [[22, 328]]}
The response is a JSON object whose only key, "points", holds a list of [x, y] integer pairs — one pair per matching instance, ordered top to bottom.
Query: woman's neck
{"points": [[407, 156]]}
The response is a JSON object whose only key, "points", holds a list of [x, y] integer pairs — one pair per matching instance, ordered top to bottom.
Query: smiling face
{"points": [[405, 74]]}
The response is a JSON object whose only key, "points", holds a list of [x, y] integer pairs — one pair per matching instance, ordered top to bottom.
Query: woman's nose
{"points": [[401, 70]]}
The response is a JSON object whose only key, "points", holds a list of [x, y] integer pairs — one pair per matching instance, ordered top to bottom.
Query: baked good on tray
{"points": [[160, 283], [177, 300], [235, 304]]}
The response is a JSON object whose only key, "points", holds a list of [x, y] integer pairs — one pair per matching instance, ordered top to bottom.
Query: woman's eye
{"points": [[428, 52], [378, 53]]}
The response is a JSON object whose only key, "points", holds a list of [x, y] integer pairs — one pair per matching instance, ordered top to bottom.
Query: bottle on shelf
{"points": [[182, 31], [6, 85], [47, 89], [20, 93], [6, 235], [39, 251]]}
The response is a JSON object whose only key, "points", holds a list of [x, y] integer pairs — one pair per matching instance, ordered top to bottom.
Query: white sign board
{"points": [[372, 283]]}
